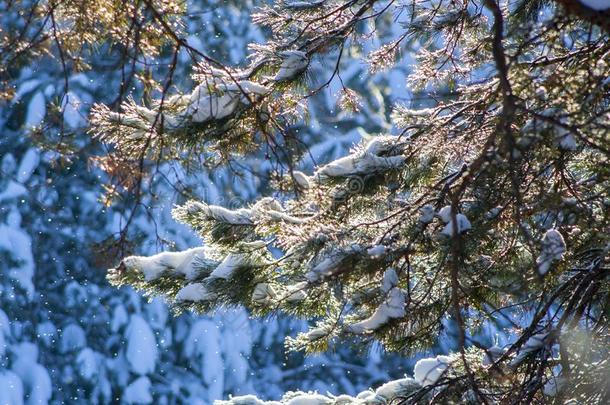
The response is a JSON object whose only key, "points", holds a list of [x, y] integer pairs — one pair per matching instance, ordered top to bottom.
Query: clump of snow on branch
{"points": [[304, 5], [293, 63], [217, 97], [220, 100], [404, 116], [381, 154], [301, 179], [265, 208], [426, 214], [446, 215], [241, 216], [463, 225], [553, 248], [376, 251], [187, 263], [231, 263], [329, 265], [389, 280], [195, 292], [295, 293], [263, 294], [392, 307], [318, 332], [531, 346], [429, 371], [396, 388], [385, 394], [246, 400]]}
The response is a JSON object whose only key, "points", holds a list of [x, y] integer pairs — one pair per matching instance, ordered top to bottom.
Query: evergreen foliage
{"points": [[490, 201], [480, 202], [66, 336]]}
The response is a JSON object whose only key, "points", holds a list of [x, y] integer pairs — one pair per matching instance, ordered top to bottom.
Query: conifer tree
{"points": [[488, 201], [491, 202], [65, 334]]}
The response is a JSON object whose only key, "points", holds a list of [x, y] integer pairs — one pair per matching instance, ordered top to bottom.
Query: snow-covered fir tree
{"points": [[486, 200]]}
